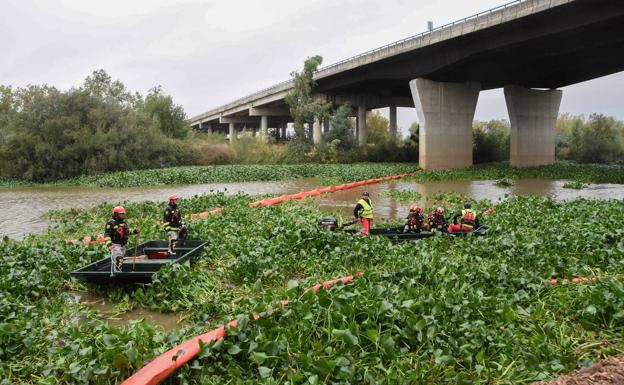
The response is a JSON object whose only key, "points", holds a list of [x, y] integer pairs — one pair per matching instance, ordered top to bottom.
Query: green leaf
{"points": [[234, 350], [259, 357], [264, 371]]}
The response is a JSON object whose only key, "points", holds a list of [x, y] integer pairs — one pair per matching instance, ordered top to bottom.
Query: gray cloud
{"points": [[207, 53]]}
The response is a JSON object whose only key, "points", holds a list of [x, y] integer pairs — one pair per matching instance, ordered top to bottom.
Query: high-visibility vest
{"points": [[367, 209], [468, 217]]}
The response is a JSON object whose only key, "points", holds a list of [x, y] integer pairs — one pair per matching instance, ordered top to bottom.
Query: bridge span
{"points": [[528, 47]]}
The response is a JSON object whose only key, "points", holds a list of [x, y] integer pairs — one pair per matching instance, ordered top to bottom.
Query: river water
{"points": [[23, 208]]}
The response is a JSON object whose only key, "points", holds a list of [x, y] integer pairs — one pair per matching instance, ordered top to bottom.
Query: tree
{"points": [[304, 107], [168, 117], [378, 128], [341, 134], [601, 140], [490, 141]]}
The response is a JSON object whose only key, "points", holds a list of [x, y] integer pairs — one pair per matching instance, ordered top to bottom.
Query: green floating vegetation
{"points": [[236, 173], [588, 173], [504, 182], [575, 184], [402, 195], [441, 310]]}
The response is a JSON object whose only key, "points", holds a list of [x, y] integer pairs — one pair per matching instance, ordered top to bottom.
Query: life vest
{"points": [[367, 209], [172, 218], [468, 218], [415, 219], [436, 220], [117, 232]]}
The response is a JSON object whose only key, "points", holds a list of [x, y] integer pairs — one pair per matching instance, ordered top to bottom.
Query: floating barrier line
{"points": [[325, 190], [164, 365]]}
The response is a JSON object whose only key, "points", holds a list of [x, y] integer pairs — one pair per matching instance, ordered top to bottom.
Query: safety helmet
{"points": [[365, 193], [173, 197], [415, 208], [119, 210], [440, 210]]}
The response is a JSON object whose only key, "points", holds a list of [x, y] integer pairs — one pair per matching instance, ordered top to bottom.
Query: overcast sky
{"points": [[208, 53]]}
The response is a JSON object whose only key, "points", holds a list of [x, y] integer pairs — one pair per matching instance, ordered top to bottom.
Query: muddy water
{"points": [[22, 208], [388, 208], [166, 321]]}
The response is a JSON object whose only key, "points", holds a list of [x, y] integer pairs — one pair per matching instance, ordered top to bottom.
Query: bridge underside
{"points": [[557, 47]]}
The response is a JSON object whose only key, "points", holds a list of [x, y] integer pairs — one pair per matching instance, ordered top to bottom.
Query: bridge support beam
{"points": [[445, 113], [533, 115], [393, 123], [264, 126], [284, 127], [362, 130], [316, 131], [232, 133]]}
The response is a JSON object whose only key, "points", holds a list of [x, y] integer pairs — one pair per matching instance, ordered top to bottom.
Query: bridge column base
{"points": [[445, 113], [533, 116], [264, 126], [316, 131], [232, 133]]}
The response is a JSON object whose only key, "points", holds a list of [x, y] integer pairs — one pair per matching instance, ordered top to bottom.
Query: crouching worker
{"points": [[364, 212], [415, 220], [468, 220], [436, 221], [172, 223], [116, 237]]}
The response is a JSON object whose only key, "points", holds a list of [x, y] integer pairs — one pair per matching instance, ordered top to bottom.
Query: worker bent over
{"points": [[364, 212], [415, 219], [468, 220], [436, 221], [172, 222], [116, 237]]}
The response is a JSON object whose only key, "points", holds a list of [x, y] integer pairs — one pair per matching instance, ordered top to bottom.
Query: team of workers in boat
{"points": [[463, 221], [117, 231]]}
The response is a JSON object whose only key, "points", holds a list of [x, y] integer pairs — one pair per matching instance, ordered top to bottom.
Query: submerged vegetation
{"points": [[470, 309]]}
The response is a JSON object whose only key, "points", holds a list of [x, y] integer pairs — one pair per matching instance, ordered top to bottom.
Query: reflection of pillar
{"points": [[445, 113], [533, 115], [393, 123], [361, 125], [264, 126], [316, 131], [232, 133], [393, 206]]}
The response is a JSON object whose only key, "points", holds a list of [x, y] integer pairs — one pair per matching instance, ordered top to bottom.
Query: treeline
{"points": [[47, 134], [598, 139]]}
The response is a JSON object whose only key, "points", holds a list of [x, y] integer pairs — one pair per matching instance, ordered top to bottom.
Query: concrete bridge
{"points": [[528, 47]]}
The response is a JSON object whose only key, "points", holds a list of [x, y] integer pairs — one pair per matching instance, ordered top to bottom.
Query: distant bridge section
{"points": [[528, 47]]}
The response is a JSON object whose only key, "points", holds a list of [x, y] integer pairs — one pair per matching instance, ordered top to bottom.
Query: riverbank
{"points": [[331, 173]]}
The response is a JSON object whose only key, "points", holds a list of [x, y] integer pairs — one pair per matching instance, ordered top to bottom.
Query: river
{"points": [[23, 208]]}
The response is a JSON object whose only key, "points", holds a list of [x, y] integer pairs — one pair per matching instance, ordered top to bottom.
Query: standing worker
{"points": [[364, 212], [467, 220], [172, 222], [116, 237]]}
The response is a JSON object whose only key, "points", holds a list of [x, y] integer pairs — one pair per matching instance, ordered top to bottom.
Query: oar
{"points": [[138, 237]]}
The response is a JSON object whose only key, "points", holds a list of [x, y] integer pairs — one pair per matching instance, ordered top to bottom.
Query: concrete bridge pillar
{"points": [[445, 113], [533, 116], [393, 123], [264, 126], [284, 127], [209, 128], [362, 130], [316, 131], [232, 133]]}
